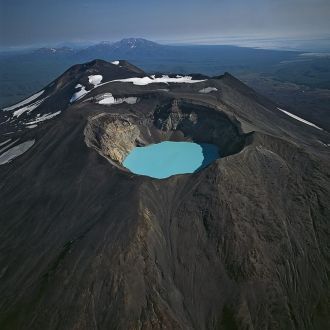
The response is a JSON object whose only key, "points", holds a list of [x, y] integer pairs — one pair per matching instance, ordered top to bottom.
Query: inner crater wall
{"points": [[114, 136]]}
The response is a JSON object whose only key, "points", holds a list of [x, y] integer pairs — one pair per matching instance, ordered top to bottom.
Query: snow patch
{"points": [[115, 62], [95, 79], [164, 79], [136, 81], [207, 90], [79, 94], [108, 99], [129, 100], [27, 101], [28, 108], [43, 118], [300, 119], [32, 126], [4, 142], [324, 144], [8, 145], [16, 151]]}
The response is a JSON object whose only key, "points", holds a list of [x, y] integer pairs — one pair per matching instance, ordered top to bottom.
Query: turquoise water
{"points": [[167, 158]]}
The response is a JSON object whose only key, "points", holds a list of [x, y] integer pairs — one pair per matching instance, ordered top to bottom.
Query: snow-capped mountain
{"points": [[135, 43], [124, 48]]}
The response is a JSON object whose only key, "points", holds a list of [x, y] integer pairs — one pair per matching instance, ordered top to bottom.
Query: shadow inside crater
{"points": [[114, 136], [210, 152]]}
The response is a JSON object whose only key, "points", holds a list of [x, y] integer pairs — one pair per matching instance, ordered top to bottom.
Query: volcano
{"points": [[242, 243]]}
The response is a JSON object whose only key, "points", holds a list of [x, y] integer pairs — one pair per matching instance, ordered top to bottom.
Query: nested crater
{"points": [[115, 136]]}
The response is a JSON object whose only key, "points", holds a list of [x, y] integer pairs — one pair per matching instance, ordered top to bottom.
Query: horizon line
{"points": [[227, 40]]}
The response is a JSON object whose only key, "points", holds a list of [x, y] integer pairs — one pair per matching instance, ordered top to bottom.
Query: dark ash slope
{"points": [[243, 244]]}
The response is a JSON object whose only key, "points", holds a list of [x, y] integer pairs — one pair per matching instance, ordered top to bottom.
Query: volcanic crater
{"points": [[115, 135], [242, 244]]}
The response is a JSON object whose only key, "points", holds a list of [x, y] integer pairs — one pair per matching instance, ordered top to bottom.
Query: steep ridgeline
{"points": [[59, 94], [86, 244]]}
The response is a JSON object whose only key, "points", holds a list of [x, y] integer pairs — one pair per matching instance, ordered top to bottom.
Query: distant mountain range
{"points": [[104, 48], [123, 48], [139, 49], [152, 56], [286, 76]]}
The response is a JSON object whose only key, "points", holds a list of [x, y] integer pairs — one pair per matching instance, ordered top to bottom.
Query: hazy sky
{"points": [[35, 22]]}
